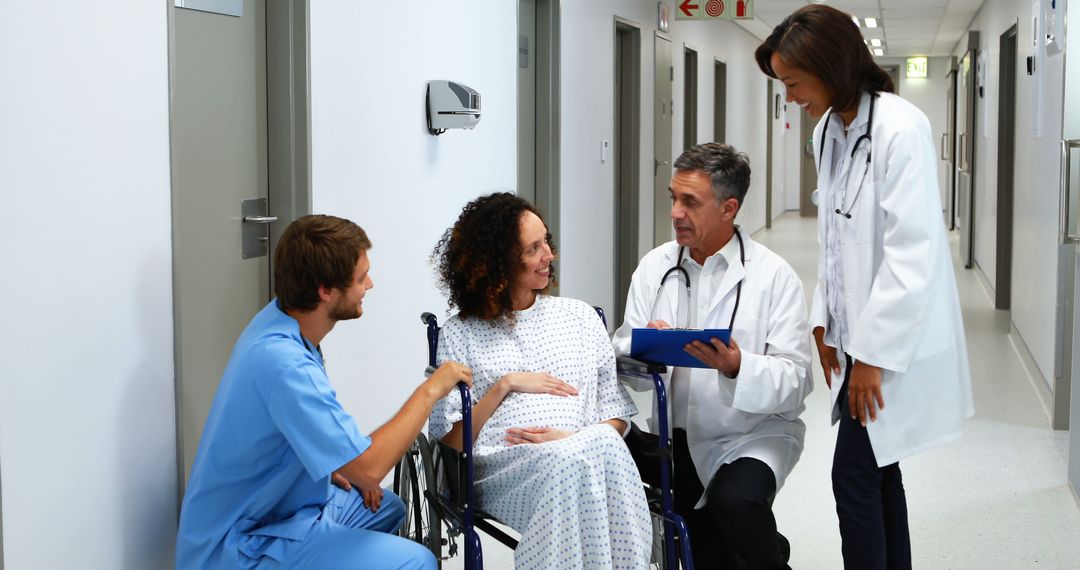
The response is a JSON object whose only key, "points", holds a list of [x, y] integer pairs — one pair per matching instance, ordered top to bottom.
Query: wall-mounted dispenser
{"points": [[451, 105]]}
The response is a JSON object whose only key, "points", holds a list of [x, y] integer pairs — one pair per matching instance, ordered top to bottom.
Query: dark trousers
{"points": [[870, 500], [736, 528]]}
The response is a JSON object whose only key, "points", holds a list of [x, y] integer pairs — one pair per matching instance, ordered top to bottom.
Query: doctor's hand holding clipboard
{"points": [[696, 348]]}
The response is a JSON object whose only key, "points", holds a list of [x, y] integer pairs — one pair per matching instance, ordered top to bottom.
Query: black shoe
{"points": [[785, 549]]}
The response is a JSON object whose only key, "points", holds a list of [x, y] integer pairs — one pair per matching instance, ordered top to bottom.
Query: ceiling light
{"points": [[856, 20], [871, 22], [875, 42], [879, 52]]}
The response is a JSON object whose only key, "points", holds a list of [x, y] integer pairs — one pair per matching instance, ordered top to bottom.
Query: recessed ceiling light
{"points": [[856, 20], [871, 22], [875, 42], [879, 52]]}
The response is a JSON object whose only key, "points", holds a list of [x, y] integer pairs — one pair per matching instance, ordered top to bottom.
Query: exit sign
{"points": [[916, 67]]}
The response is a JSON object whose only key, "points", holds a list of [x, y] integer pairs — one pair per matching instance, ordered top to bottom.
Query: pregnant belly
{"points": [[538, 410]]}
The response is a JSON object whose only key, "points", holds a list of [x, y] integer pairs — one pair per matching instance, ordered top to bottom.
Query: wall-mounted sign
{"points": [[715, 10], [916, 67]]}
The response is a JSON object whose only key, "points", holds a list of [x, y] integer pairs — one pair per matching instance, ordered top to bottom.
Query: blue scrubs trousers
{"points": [[350, 536]]}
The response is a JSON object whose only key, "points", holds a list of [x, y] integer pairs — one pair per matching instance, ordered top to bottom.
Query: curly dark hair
{"points": [[477, 259]]}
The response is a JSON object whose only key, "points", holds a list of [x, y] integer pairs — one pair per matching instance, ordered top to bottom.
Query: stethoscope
{"points": [[869, 147], [678, 270]]}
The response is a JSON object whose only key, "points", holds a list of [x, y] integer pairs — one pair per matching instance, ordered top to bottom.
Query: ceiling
{"points": [[905, 27]]}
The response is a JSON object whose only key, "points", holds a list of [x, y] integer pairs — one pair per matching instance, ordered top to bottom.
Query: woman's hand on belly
{"points": [[537, 383], [516, 436]]}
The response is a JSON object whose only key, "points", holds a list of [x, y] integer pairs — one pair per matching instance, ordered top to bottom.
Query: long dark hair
{"points": [[826, 43], [479, 256]]}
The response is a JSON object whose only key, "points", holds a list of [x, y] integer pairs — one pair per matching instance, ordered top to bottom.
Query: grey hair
{"points": [[728, 169]]}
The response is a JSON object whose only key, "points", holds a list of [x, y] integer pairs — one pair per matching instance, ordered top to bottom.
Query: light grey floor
{"points": [[995, 499]]}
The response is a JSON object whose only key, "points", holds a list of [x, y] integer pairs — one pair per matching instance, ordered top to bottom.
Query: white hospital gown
{"points": [[578, 502]]}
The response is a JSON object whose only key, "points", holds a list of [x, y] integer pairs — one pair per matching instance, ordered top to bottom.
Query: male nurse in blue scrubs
{"points": [[283, 478]]}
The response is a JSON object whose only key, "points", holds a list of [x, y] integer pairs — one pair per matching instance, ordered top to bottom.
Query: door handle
{"points": [[944, 146], [963, 152], [657, 164], [1064, 199], [255, 228]]}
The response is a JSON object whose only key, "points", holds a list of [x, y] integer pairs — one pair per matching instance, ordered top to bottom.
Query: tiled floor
{"points": [[995, 499]]}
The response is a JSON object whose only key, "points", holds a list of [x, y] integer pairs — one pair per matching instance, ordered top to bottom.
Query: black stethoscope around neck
{"points": [[869, 148], [678, 270]]}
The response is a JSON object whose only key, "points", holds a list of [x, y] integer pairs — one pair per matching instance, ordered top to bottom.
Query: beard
{"points": [[343, 311]]}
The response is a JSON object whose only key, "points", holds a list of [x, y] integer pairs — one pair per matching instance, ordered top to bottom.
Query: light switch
{"points": [[604, 145]]}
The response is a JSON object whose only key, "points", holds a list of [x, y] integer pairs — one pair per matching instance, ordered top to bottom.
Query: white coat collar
{"points": [[836, 127], [730, 250], [735, 272], [732, 276]]}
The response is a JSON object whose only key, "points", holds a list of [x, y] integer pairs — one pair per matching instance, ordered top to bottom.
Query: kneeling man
{"points": [[737, 432], [261, 492]]}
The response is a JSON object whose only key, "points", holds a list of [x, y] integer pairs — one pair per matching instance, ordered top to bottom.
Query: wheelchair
{"points": [[435, 481]]}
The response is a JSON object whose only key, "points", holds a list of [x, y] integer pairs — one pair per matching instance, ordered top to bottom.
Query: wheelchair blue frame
{"points": [[673, 523]]}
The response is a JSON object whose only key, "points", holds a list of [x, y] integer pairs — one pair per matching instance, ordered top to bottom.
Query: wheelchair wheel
{"points": [[413, 476]]}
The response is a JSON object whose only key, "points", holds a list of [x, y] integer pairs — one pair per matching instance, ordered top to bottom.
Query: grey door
{"points": [[663, 75], [690, 89], [526, 100], [719, 101], [538, 107], [965, 111], [948, 143], [768, 154], [625, 156], [219, 159], [1005, 166], [807, 168], [1067, 383]]}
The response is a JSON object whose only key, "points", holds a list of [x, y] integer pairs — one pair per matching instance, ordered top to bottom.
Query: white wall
{"points": [[587, 49], [930, 95], [747, 100], [587, 117], [781, 159], [374, 162], [1036, 197], [86, 366]]}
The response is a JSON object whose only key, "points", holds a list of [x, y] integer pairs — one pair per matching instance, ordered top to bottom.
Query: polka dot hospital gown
{"points": [[577, 502]]}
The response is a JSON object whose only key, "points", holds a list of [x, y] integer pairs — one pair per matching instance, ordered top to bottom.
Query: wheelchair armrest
{"points": [[630, 364]]}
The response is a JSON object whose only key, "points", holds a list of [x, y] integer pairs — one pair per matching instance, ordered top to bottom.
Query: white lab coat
{"points": [[903, 312], [757, 413]]}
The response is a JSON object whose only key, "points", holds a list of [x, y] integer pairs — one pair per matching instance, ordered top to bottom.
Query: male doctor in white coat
{"points": [[737, 432]]}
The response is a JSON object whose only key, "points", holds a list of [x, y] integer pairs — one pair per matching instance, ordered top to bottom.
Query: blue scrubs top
{"points": [[274, 435]]}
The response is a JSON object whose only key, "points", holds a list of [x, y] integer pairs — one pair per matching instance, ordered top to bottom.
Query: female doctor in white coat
{"points": [[885, 314], [736, 427]]}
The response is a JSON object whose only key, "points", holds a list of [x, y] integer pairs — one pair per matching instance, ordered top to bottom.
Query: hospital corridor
{"points": [[180, 181]]}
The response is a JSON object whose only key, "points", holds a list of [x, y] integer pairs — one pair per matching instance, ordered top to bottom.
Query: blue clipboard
{"points": [[665, 346]]}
